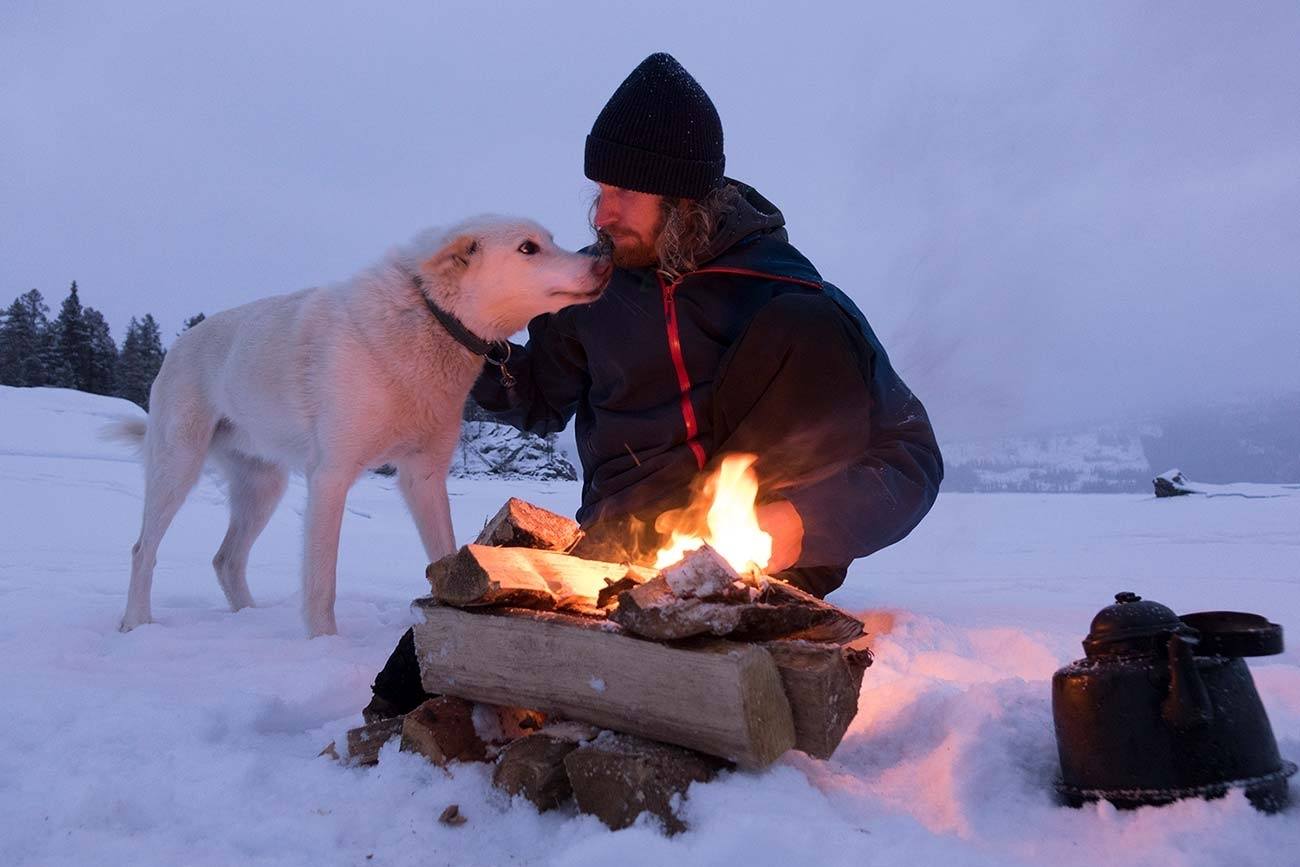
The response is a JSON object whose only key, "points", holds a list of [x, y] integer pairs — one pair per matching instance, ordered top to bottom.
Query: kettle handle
{"points": [[1188, 703]]}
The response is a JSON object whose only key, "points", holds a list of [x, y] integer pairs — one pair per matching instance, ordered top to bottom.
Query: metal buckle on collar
{"points": [[507, 378]]}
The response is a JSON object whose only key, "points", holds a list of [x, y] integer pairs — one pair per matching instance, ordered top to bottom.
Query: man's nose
{"points": [[606, 214]]}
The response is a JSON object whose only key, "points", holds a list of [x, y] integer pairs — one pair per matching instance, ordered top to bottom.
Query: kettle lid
{"points": [[1132, 626]]}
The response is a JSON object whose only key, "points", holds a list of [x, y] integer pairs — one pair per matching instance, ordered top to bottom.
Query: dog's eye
{"points": [[528, 248]]}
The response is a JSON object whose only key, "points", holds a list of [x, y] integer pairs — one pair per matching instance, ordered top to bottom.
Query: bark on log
{"points": [[520, 524], [701, 573], [479, 575], [652, 610], [830, 624], [822, 682], [718, 697], [442, 730], [365, 742], [533, 766], [616, 778]]}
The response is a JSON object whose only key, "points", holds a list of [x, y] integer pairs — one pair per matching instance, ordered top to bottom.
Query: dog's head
{"points": [[496, 274]]}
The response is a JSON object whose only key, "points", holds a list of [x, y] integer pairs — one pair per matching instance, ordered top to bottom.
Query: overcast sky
{"points": [[1051, 213]]}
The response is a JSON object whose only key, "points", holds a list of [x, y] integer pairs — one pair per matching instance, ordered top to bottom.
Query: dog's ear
{"points": [[456, 253]]}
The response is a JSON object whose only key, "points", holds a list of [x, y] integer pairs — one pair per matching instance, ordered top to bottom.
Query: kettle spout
{"points": [[1188, 703]]}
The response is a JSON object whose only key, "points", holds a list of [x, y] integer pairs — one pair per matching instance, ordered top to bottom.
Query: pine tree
{"points": [[192, 321], [23, 338], [71, 345], [103, 353], [139, 360]]}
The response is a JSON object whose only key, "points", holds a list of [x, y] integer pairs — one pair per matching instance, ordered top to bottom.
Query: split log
{"points": [[520, 524], [701, 573], [524, 577], [653, 610], [830, 624], [822, 682], [718, 697], [442, 730], [365, 742], [533, 766], [616, 778]]}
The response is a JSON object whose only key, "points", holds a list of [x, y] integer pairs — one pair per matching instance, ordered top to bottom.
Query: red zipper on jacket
{"points": [[675, 345], [683, 378]]}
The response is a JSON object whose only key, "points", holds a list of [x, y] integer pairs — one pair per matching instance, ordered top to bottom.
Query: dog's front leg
{"points": [[423, 481], [327, 492]]}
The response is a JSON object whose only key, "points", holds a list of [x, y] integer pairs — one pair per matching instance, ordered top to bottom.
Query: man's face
{"points": [[632, 221]]}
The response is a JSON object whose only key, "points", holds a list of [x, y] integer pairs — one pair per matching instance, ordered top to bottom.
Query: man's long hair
{"points": [[688, 229]]}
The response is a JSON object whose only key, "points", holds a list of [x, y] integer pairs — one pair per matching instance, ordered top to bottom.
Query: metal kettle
{"points": [[1163, 707]]}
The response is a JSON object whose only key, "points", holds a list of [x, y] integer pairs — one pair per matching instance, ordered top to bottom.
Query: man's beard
{"points": [[628, 250], [634, 252]]}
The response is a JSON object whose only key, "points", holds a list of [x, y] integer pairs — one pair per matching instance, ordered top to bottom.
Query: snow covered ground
{"points": [[194, 741]]}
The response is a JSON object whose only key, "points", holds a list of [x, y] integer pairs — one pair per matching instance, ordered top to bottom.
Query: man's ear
{"points": [[456, 253]]}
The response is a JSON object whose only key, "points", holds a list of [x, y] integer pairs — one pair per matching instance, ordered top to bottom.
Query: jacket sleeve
{"points": [[550, 373], [878, 498], [869, 505]]}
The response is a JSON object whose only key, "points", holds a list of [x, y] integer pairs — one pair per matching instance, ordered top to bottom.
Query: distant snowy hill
{"points": [[1250, 442], [1093, 462]]}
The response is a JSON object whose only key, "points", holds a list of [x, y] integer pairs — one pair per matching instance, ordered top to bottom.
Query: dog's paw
{"points": [[130, 622], [316, 627]]}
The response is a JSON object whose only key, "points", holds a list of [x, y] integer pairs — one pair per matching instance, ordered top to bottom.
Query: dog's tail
{"points": [[128, 431]]}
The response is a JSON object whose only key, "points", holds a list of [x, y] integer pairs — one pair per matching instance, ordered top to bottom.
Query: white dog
{"points": [[332, 381]]}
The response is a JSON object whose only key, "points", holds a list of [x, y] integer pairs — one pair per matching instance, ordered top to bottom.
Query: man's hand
{"points": [[781, 521]]}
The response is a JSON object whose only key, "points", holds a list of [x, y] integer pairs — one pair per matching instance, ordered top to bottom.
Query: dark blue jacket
{"points": [[637, 367]]}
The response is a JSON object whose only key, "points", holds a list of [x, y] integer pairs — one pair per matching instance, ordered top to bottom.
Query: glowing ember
{"points": [[731, 524]]}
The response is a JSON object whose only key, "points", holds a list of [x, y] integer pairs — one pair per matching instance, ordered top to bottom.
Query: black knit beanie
{"points": [[659, 133]]}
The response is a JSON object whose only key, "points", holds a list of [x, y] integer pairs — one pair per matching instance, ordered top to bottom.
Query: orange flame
{"points": [[731, 524]]}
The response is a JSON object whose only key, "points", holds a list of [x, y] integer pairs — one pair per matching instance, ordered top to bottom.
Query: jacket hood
{"points": [[753, 213]]}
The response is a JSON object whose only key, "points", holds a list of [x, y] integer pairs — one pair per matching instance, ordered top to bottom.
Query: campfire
{"points": [[730, 521], [620, 684]]}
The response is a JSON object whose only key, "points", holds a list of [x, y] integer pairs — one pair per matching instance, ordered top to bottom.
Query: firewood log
{"points": [[520, 524], [702, 573], [479, 575], [653, 610], [822, 682], [720, 698], [442, 730], [365, 741], [533, 766], [617, 777]]}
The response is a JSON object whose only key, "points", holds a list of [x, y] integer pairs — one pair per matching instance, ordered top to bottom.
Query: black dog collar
{"points": [[494, 351]]}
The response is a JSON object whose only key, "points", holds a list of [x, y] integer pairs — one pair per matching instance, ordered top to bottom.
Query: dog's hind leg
{"points": [[174, 451], [255, 489]]}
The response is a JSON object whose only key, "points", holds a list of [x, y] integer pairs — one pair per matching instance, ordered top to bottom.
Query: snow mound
{"points": [[60, 422]]}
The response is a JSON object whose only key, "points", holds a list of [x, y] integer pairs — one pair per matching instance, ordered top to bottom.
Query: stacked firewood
{"points": [[636, 683]]}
